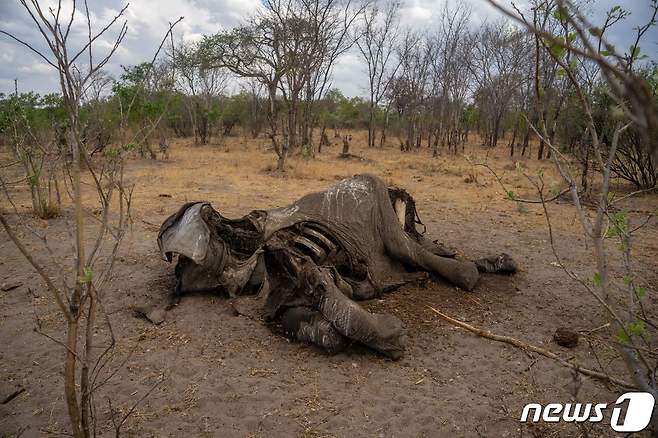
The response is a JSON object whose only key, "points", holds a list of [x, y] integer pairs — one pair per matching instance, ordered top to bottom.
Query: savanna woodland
{"points": [[527, 132]]}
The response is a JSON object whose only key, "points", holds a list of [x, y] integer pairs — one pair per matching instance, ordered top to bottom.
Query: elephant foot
{"points": [[498, 264], [461, 273], [466, 276], [392, 337]]}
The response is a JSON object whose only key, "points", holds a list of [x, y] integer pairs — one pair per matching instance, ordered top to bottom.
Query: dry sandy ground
{"points": [[228, 375]]}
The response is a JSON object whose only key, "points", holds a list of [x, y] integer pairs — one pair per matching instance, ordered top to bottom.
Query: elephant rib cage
{"points": [[311, 240]]}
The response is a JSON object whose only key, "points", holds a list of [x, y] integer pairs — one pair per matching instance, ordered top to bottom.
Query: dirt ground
{"points": [[230, 376]]}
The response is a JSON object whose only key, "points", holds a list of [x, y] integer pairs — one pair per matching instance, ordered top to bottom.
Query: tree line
{"points": [[424, 89]]}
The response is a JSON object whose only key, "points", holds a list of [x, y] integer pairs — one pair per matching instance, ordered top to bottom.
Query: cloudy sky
{"points": [[148, 22]]}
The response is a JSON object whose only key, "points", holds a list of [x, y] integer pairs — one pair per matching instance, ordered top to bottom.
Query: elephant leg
{"points": [[404, 207], [399, 218], [400, 246], [317, 285], [309, 326], [381, 332]]}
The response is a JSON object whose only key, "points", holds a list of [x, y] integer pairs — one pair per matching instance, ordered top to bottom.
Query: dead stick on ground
{"points": [[528, 347]]}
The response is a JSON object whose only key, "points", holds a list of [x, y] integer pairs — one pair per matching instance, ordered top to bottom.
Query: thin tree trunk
{"points": [[292, 126], [371, 127], [323, 138], [382, 138], [494, 141], [526, 141], [511, 149], [281, 162], [585, 171], [69, 378], [85, 389], [74, 410]]}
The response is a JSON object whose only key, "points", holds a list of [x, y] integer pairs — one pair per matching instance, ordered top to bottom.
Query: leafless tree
{"points": [[332, 25], [377, 43], [290, 47], [498, 56], [451, 79], [188, 81], [202, 83], [409, 89], [254, 90], [79, 296]]}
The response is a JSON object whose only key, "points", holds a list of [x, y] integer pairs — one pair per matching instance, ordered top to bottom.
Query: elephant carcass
{"points": [[316, 257]]}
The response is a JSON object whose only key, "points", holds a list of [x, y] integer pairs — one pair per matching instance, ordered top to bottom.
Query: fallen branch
{"points": [[528, 347], [13, 395]]}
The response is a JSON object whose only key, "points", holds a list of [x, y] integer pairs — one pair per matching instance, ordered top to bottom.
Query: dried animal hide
{"points": [[316, 257]]}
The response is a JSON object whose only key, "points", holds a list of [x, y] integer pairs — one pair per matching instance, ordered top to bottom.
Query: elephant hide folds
{"points": [[314, 258]]}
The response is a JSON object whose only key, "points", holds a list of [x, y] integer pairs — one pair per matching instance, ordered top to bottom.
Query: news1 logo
{"points": [[637, 418]]}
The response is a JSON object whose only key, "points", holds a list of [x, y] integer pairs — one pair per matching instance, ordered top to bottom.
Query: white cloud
{"points": [[412, 15], [148, 21], [7, 52], [37, 68], [349, 75], [6, 85]]}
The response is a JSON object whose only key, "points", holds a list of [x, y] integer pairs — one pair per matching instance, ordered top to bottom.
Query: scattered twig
{"points": [[606, 325], [529, 347], [13, 395], [117, 426]]}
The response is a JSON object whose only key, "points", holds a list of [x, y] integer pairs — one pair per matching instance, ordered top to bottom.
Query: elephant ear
{"points": [[185, 233]]}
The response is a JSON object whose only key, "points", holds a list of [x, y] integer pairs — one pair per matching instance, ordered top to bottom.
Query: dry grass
{"points": [[236, 175]]}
